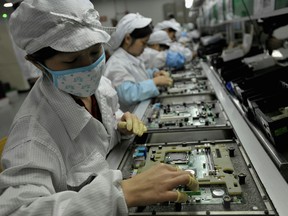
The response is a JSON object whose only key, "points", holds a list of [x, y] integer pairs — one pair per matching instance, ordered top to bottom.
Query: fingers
{"points": [[170, 82], [132, 124], [122, 125], [136, 126], [185, 178], [193, 184], [181, 197]]}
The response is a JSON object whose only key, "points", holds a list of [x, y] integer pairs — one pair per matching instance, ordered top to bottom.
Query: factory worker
{"points": [[172, 28], [157, 53], [127, 72], [54, 159]]}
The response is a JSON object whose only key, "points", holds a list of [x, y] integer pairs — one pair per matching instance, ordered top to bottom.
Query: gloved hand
{"points": [[175, 59], [162, 73], [163, 81], [130, 124], [157, 185]]}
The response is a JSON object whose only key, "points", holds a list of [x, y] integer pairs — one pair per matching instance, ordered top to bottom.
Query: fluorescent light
{"points": [[188, 3], [8, 5]]}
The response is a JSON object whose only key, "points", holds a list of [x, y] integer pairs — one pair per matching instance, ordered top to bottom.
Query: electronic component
{"points": [[193, 86], [187, 115], [220, 177]]}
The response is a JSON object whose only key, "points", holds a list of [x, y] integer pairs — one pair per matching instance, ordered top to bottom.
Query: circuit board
{"points": [[192, 69], [187, 74], [193, 86], [161, 116], [225, 182]]}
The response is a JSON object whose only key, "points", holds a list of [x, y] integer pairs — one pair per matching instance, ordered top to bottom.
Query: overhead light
{"points": [[188, 3], [8, 5]]}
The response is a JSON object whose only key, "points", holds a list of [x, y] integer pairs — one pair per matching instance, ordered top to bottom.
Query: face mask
{"points": [[81, 82]]}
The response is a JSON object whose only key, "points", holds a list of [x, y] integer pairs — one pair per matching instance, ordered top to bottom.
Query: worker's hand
{"points": [[162, 73], [163, 81], [130, 124], [157, 185]]}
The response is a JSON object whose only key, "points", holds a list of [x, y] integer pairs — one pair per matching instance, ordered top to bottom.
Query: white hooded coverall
{"points": [[54, 159]]}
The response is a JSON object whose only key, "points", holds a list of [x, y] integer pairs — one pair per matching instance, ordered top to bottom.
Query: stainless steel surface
{"points": [[271, 178]]}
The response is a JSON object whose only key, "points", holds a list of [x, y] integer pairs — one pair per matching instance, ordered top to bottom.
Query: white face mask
{"points": [[81, 82]]}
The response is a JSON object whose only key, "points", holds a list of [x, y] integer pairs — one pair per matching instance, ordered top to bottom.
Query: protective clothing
{"points": [[167, 24], [127, 25], [67, 27], [159, 37], [178, 47], [153, 58], [175, 60], [130, 78], [81, 82], [62, 151]]}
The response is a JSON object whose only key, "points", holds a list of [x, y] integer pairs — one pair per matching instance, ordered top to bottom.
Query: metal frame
{"points": [[271, 178]]}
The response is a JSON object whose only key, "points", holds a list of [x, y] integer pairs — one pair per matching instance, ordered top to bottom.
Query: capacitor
{"points": [[231, 151], [152, 157], [241, 178], [226, 201]]}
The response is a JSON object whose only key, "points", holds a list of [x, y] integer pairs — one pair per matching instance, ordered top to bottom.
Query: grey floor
{"points": [[7, 114]]}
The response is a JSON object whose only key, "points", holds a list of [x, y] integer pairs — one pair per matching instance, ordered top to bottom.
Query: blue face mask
{"points": [[81, 82]]}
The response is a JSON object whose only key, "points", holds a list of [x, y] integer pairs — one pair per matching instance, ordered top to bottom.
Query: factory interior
{"points": [[224, 118]]}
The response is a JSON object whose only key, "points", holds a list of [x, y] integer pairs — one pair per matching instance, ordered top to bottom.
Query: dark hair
{"points": [[16, 5], [171, 16], [171, 30], [142, 32], [164, 46], [43, 54]]}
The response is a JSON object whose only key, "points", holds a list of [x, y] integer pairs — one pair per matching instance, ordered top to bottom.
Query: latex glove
{"points": [[175, 59], [162, 73], [163, 81], [130, 124], [156, 185]]}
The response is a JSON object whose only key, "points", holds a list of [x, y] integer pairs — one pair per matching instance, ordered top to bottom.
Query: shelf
{"points": [[253, 17]]}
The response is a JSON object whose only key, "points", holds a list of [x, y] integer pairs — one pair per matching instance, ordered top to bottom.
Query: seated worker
{"points": [[171, 28], [158, 55], [127, 72], [54, 159]]}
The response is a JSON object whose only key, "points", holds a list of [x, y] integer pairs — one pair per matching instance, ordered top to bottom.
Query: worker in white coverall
{"points": [[172, 28], [158, 55], [133, 82], [54, 159]]}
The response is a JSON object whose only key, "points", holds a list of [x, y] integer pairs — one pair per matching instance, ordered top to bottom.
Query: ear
{"points": [[128, 39], [34, 62]]}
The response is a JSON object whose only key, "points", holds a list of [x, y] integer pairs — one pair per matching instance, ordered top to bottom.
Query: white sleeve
{"points": [[35, 189]]}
